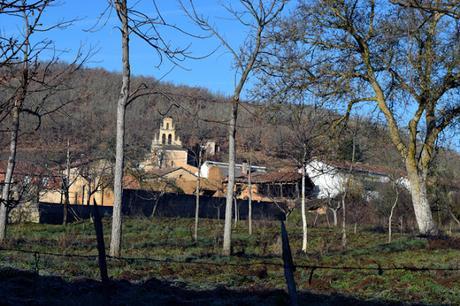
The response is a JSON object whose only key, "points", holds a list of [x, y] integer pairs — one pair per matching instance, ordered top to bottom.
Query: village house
{"points": [[219, 170], [330, 177], [176, 179], [30, 181], [89, 181], [272, 186]]}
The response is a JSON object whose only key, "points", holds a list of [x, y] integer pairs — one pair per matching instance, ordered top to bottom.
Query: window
{"points": [[167, 126], [163, 139], [169, 139], [45, 181]]}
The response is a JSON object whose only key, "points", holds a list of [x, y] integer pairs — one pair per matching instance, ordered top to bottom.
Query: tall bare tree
{"points": [[451, 8], [256, 16], [148, 29], [403, 61], [28, 81], [304, 143]]}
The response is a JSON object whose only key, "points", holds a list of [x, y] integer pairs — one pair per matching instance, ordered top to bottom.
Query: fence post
{"points": [[100, 244], [289, 267]]}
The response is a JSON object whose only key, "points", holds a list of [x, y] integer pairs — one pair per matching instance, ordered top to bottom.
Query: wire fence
{"points": [[377, 267]]}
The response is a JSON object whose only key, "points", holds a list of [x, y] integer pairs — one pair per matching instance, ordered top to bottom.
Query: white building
{"points": [[222, 168], [330, 177]]}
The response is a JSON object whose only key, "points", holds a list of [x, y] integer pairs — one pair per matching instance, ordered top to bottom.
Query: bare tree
{"points": [[451, 8], [256, 16], [146, 28], [395, 58], [28, 82], [307, 125], [250, 136], [66, 183], [334, 209], [390, 217], [115, 241]]}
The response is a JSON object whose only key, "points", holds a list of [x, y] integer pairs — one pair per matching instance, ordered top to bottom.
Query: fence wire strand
{"points": [[379, 268]]}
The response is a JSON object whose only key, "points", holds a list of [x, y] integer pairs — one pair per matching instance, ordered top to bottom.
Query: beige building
{"points": [[166, 149], [89, 181]]}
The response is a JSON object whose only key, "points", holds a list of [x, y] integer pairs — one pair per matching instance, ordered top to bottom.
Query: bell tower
{"points": [[166, 150]]}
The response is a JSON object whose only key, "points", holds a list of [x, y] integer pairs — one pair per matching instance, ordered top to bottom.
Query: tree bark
{"points": [[16, 111], [9, 170], [231, 180], [66, 187], [419, 196], [197, 197], [250, 198], [304, 214], [391, 214], [334, 216], [344, 222], [115, 242]]}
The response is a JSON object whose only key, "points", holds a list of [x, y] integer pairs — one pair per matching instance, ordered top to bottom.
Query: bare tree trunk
{"points": [[16, 110], [9, 171], [231, 180], [67, 186], [344, 196], [197, 197], [250, 197], [235, 201], [420, 202], [304, 214], [391, 215], [334, 216], [453, 216], [316, 219], [344, 222], [401, 227], [115, 242]]}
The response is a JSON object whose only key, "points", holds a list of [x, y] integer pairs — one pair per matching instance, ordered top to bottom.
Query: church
{"points": [[166, 150]]}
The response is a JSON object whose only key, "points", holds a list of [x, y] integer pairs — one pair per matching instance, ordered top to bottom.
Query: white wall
{"points": [[329, 182]]}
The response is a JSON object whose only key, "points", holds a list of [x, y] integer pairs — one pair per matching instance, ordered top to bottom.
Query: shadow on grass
{"points": [[396, 246], [27, 288]]}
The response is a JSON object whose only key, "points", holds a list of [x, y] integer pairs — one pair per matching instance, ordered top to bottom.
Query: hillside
{"points": [[89, 125]]}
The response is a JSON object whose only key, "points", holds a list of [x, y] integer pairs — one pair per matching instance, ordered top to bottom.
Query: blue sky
{"points": [[214, 72]]}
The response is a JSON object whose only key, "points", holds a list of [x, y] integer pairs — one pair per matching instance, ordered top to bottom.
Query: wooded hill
{"points": [[88, 113]]}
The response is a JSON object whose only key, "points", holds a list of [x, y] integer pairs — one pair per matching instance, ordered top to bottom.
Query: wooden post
{"points": [[100, 244], [289, 267]]}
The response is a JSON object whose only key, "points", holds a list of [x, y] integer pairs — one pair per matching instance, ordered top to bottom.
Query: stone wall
{"points": [[25, 213]]}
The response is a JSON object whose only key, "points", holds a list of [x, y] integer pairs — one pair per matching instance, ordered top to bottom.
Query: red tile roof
{"points": [[371, 169], [36, 172], [272, 177]]}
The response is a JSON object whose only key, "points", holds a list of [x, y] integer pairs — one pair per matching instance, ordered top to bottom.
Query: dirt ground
{"points": [[27, 288]]}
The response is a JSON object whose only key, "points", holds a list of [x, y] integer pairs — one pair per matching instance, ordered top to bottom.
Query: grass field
{"points": [[171, 257]]}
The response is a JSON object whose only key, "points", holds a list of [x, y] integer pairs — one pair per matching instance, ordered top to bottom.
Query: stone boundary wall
{"points": [[144, 203]]}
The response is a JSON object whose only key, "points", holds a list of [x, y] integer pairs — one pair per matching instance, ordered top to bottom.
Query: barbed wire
{"points": [[378, 267]]}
